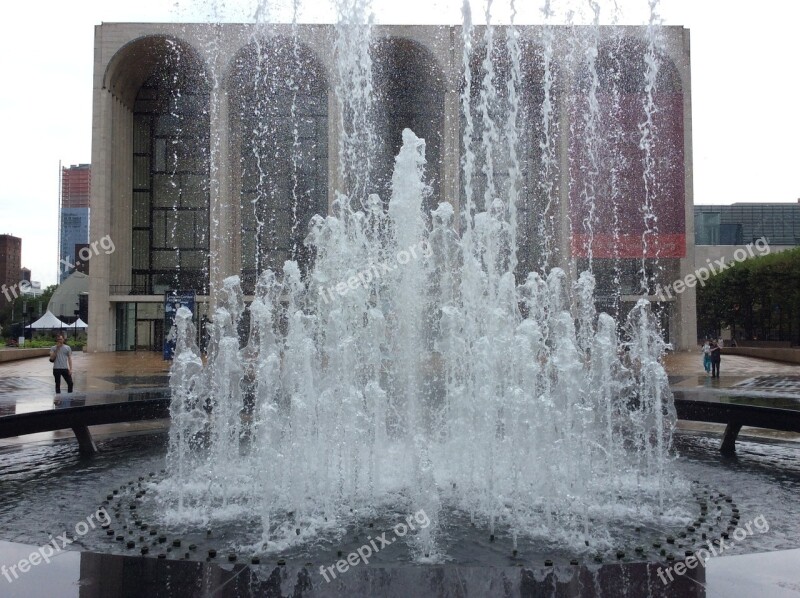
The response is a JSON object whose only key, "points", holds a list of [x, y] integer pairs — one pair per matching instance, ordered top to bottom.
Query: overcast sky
{"points": [[745, 121]]}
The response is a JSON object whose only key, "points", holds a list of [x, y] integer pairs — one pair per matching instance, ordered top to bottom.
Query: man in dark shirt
{"points": [[716, 354]]}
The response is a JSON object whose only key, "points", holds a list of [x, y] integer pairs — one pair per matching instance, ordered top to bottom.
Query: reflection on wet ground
{"points": [[92, 372], [777, 383], [11, 385]]}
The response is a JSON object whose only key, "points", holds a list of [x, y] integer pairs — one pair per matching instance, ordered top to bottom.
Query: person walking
{"points": [[716, 354], [61, 357], [707, 357]]}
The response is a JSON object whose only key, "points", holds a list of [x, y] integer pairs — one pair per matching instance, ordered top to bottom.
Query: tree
{"points": [[758, 298], [11, 315]]}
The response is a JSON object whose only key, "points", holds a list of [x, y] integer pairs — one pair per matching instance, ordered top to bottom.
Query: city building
{"points": [[214, 145], [73, 217], [743, 222], [720, 230], [725, 234], [10, 269], [30, 288], [65, 301]]}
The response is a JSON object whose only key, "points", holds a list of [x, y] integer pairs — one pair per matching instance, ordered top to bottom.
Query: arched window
{"points": [[409, 85], [279, 111], [170, 202], [537, 216]]}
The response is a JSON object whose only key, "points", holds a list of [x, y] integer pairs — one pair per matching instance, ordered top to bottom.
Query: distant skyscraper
{"points": [[73, 226], [10, 258]]}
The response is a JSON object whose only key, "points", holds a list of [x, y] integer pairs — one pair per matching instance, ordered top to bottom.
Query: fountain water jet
{"points": [[410, 370]]}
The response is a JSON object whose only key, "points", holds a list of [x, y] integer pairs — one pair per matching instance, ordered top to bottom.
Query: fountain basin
{"points": [[47, 490]]}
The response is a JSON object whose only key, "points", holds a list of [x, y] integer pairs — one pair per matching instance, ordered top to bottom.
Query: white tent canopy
{"points": [[48, 321], [78, 324]]}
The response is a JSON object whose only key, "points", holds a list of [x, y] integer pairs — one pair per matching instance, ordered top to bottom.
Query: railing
{"points": [[127, 289], [131, 289]]}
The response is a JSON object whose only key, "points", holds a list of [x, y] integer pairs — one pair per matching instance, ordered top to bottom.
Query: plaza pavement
{"points": [[685, 370], [28, 385]]}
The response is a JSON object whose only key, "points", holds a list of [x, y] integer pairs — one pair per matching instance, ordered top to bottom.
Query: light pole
{"points": [[24, 314]]}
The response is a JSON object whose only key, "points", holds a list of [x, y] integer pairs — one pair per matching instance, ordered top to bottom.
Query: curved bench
{"points": [[705, 408], [735, 412], [80, 417]]}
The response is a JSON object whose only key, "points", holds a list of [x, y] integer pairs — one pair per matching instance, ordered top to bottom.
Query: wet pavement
{"points": [[114, 371], [686, 371], [91, 372], [771, 383], [28, 385]]}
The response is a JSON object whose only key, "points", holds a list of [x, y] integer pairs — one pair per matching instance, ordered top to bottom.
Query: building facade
{"points": [[214, 145], [73, 217], [742, 223], [721, 230], [10, 268]]}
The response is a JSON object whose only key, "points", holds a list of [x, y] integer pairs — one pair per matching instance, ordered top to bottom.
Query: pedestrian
{"points": [[716, 354], [707, 357], [61, 358]]}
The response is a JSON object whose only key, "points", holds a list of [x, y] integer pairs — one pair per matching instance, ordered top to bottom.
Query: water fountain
{"points": [[415, 366], [439, 383]]}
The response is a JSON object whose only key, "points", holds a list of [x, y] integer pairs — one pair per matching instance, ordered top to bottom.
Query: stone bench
{"points": [[79, 411], [773, 413]]}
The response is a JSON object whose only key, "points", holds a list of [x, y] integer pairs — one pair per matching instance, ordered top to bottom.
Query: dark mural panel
{"points": [[280, 133]]}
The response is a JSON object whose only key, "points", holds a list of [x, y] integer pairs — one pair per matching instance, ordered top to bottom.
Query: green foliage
{"points": [[758, 298], [11, 313], [47, 342]]}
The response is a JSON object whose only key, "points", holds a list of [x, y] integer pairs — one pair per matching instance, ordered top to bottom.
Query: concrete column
{"points": [[334, 132], [451, 137], [451, 159], [235, 189], [222, 198], [120, 205], [563, 232], [687, 301], [100, 316]]}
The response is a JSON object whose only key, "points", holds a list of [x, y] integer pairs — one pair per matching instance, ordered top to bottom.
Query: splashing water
{"points": [[410, 369]]}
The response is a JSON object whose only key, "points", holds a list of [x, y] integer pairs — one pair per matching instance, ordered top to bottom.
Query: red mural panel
{"points": [[610, 167]]}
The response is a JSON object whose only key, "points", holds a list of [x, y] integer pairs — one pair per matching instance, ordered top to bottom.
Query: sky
{"points": [[745, 89]]}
